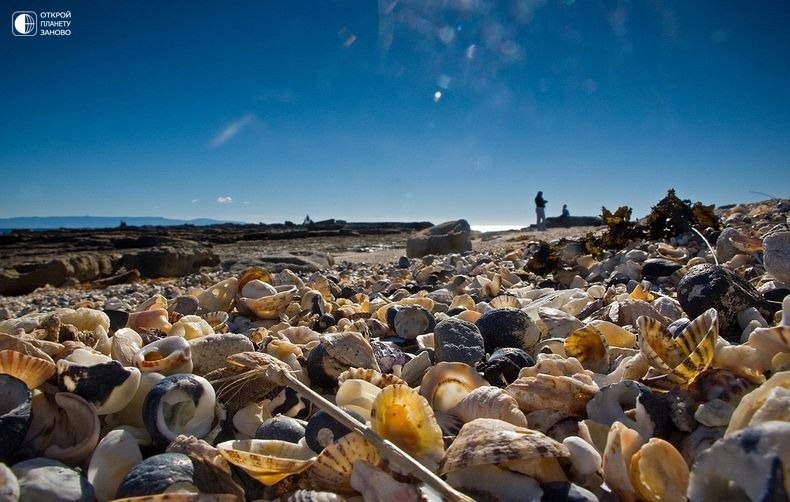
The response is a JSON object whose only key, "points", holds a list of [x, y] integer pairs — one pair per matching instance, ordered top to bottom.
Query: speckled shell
{"points": [[32, 370], [445, 384], [489, 402], [404, 417], [490, 441], [267, 460], [333, 468]]}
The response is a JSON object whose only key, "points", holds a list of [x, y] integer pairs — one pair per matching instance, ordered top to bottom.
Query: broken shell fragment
{"points": [[168, 356], [266, 460], [659, 472]]}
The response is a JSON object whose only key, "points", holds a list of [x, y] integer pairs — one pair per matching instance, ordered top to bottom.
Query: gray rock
{"points": [[449, 237], [724, 248], [776, 255], [711, 286], [185, 305], [508, 327], [456, 340], [45, 480]]}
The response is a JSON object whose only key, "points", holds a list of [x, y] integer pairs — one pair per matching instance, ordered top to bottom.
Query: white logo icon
{"points": [[24, 24]]}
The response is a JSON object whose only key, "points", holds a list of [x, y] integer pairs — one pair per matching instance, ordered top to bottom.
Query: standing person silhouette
{"points": [[540, 210]]}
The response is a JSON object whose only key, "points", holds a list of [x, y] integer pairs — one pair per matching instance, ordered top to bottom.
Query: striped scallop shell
{"points": [[679, 359], [32, 370], [404, 417], [333, 467]]}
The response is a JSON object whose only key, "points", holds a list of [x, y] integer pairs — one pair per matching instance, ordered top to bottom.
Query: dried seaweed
{"points": [[673, 216]]}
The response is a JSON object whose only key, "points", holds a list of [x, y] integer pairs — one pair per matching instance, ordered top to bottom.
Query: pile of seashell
{"points": [[281, 387]]}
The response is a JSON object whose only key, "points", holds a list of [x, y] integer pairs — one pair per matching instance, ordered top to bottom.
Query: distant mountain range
{"points": [[54, 222]]}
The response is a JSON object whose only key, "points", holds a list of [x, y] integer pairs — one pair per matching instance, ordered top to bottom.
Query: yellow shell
{"points": [[504, 301], [616, 336], [589, 346], [679, 358], [30, 369], [445, 384], [404, 417], [489, 441], [268, 461], [333, 468], [659, 472]]}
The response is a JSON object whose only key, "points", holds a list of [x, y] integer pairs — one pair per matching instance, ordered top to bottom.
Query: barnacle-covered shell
{"points": [[168, 356], [32, 370], [445, 384], [489, 402], [179, 404], [15, 414], [404, 417], [489, 441], [267, 460], [333, 468]]}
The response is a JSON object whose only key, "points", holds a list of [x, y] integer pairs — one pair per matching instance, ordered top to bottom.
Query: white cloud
{"points": [[231, 130], [224, 200], [195, 201]]}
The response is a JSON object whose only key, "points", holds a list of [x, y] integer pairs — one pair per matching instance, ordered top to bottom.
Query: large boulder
{"points": [[448, 237], [296, 261]]}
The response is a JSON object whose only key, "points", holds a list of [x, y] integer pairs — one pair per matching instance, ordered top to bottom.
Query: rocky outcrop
{"points": [[448, 237], [183, 258], [297, 261], [27, 277]]}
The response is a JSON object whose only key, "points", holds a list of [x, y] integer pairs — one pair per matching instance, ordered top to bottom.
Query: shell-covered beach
{"points": [[630, 361]]}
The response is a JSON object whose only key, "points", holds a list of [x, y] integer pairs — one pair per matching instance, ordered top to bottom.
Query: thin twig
{"points": [[712, 251]]}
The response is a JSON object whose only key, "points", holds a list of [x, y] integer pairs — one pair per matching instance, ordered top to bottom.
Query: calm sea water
{"points": [[496, 228]]}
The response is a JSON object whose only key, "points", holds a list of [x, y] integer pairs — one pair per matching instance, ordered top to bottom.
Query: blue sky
{"points": [[265, 111]]}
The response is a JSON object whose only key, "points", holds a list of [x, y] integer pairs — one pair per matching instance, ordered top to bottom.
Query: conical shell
{"points": [[32, 370], [489, 441]]}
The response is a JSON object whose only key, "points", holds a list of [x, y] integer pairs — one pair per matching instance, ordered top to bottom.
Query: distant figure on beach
{"points": [[540, 210], [565, 212], [307, 220]]}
